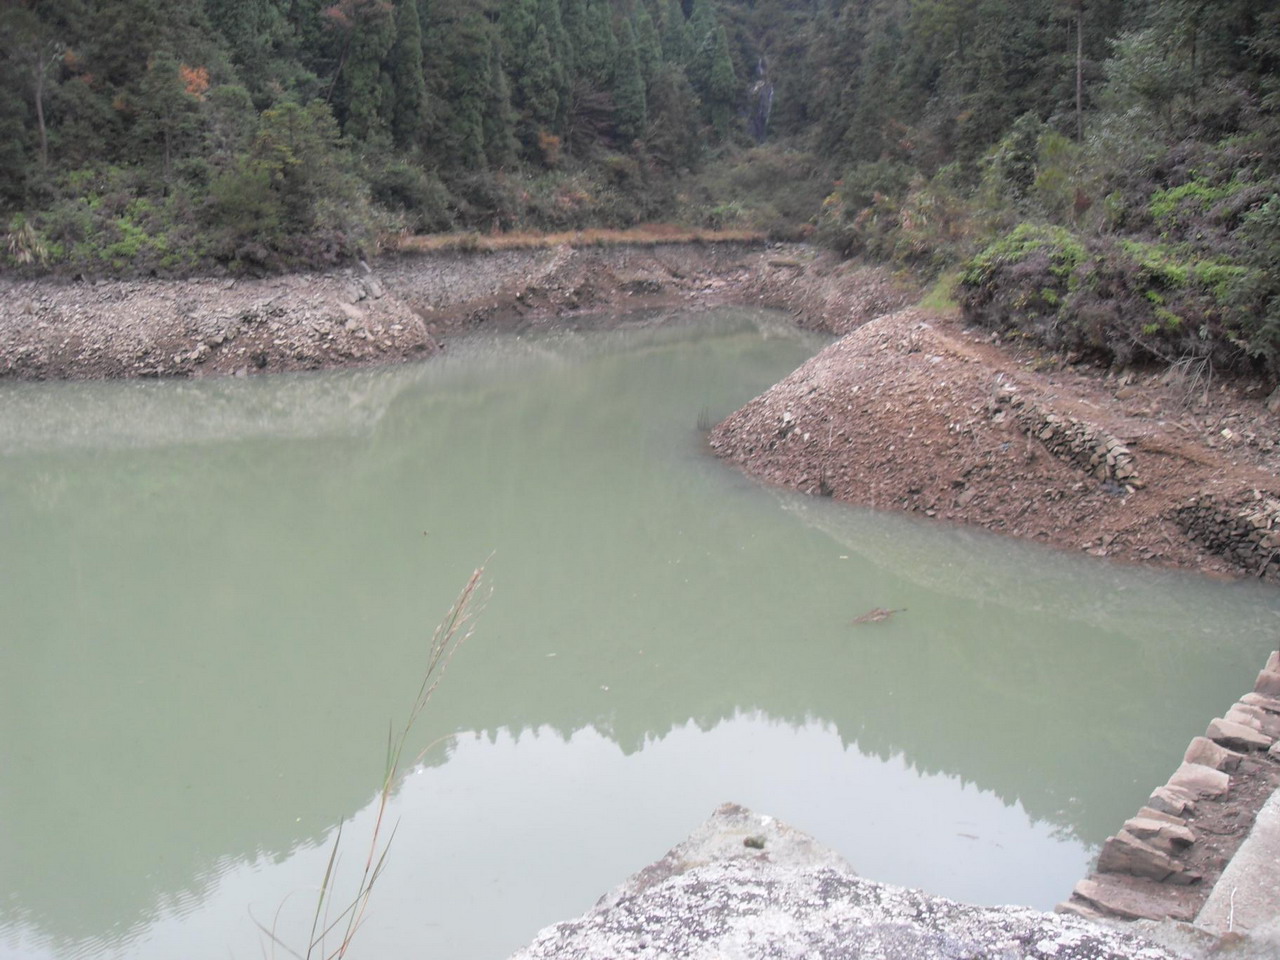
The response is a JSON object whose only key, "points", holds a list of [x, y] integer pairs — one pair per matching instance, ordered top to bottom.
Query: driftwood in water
{"points": [[877, 615]]}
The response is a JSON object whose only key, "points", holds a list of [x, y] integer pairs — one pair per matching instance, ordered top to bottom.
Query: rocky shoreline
{"points": [[402, 308], [910, 410], [1166, 861]]}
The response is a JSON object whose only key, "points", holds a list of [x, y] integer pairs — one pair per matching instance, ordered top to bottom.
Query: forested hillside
{"points": [[1122, 154]]}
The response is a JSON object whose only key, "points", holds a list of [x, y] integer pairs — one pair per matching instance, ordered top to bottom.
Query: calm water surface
{"points": [[216, 596]]}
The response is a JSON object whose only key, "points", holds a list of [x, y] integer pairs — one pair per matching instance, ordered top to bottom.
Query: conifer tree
{"points": [[674, 33], [704, 37], [648, 46], [597, 47], [628, 86], [722, 86], [409, 87], [537, 98], [498, 123]]}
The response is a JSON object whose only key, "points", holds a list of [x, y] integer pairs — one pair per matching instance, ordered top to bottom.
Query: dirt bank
{"points": [[916, 411]]}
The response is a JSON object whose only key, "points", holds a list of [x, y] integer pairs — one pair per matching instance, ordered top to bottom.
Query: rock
{"points": [[1268, 683], [1269, 704], [1268, 724], [1237, 736], [1204, 751], [1274, 752], [1199, 780], [1168, 799], [1152, 814], [1160, 833], [1125, 853], [711, 897], [1135, 900]]}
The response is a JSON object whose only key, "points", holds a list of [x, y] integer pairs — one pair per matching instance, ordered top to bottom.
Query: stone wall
{"points": [[1089, 447], [1246, 533], [1165, 860]]}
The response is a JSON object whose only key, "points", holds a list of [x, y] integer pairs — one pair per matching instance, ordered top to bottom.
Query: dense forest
{"points": [[1100, 175]]}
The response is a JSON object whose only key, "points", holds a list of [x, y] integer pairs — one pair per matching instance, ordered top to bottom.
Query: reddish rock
{"points": [[1268, 683], [1237, 736], [1204, 751], [1199, 780], [1172, 801], [1169, 837], [1124, 853], [1132, 899]]}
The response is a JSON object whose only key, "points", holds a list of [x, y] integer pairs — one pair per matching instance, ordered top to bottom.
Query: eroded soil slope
{"points": [[915, 411]]}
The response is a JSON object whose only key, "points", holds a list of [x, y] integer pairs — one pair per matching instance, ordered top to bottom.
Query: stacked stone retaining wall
{"points": [[1078, 442], [1246, 533], [1165, 860]]}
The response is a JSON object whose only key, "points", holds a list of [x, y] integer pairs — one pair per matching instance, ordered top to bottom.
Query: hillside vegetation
{"points": [[1101, 175]]}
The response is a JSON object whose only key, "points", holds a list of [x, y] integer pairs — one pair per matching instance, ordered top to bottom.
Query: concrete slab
{"points": [[1247, 895]]}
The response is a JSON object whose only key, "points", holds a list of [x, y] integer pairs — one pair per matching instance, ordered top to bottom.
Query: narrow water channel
{"points": [[215, 597]]}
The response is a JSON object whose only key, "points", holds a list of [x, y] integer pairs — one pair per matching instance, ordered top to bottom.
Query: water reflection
{"points": [[212, 613]]}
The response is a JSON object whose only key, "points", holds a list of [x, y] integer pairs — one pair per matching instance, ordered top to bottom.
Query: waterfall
{"points": [[761, 101]]}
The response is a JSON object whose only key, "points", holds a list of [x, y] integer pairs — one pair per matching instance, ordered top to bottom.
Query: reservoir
{"points": [[216, 598]]}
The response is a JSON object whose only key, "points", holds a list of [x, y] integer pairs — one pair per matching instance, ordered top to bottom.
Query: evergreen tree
{"points": [[254, 31], [674, 33], [704, 34], [597, 47], [648, 47], [461, 83], [628, 86], [722, 86], [409, 87], [359, 91], [537, 96], [167, 108], [498, 123], [673, 137]]}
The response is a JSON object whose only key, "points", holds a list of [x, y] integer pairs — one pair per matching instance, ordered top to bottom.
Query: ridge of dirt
{"points": [[911, 411]]}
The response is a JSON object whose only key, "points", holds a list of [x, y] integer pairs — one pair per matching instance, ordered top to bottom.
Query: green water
{"points": [[215, 597]]}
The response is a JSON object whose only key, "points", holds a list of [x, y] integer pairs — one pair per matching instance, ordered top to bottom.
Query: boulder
{"points": [[1268, 683], [1266, 704], [1265, 723], [1237, 736], [1204, 751], [1199, 780], [1171, 800], [1150, 814], [1161, 834], [1124, 853], [711, 897], [1132, 899]]}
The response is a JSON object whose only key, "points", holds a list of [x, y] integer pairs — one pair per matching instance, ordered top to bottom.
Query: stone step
{"points": [[1133, 898]]}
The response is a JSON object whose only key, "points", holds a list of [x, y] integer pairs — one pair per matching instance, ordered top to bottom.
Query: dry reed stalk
{"points": [[456, 628]]}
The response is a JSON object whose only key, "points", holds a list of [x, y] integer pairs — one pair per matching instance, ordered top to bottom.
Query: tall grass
{"points": [[333, 929]]}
